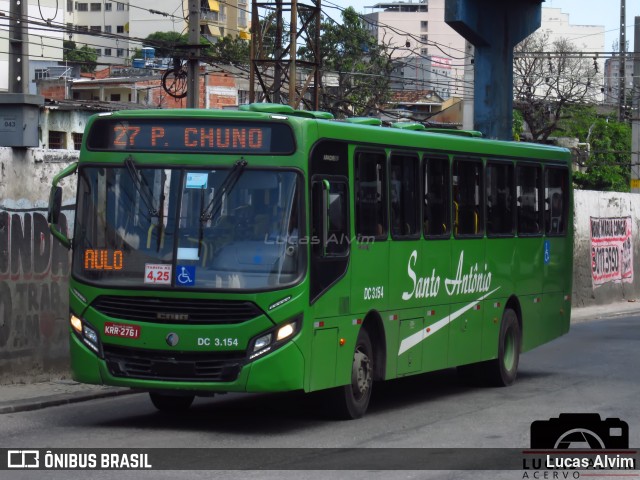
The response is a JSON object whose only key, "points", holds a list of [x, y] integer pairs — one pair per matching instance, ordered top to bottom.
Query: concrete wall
{"points": [[34, 268], [588, 290]]}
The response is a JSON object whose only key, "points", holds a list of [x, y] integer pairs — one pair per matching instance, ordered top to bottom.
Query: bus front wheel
{"points": [[351, 401], [171, 403]]}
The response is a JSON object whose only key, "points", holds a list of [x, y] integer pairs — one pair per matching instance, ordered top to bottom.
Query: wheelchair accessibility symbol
{"points": [[547, 252], [186, 275]]}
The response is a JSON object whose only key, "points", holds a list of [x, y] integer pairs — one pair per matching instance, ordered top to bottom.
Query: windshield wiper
{"points": [[141, 185], [211, 210]]}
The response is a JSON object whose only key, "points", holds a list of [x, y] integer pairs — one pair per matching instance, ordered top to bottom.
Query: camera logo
{"points": [[580, 430], [23, 459]]}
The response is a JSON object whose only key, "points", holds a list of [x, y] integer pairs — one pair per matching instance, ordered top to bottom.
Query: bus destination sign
{"points": [[189, 136]]}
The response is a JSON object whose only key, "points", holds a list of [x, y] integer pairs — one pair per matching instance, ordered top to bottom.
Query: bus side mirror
{"points": [[55, 206]]}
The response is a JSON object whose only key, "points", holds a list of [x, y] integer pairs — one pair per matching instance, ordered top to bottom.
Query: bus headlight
{"points": [[86, 333], [276, 337]]}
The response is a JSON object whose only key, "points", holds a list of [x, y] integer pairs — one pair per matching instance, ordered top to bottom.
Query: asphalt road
{"points": [[595, 368]]}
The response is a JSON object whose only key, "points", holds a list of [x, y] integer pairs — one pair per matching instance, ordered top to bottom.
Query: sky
{"points": [[581, 12]]}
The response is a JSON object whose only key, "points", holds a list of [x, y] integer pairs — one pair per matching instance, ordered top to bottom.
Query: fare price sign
{"points": [[157, 274]]}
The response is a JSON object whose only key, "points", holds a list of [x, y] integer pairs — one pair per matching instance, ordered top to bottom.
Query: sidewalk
{"points": [[34, 396]]}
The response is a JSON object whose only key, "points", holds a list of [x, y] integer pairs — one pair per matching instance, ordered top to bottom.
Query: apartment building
{"points": [[416, 28], [115, 29], [45, 44]]}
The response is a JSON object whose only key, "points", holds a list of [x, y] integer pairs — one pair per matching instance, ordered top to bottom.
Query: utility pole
{"points": [[18, 43], [623, 54], [193, 62], [275, 66]]}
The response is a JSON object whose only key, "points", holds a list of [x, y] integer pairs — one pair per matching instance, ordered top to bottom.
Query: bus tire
{"points": [[503, 370], [352, 400], [171, 403]]}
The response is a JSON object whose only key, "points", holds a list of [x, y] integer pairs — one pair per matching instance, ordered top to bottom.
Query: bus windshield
{"points": [[188, 228]]}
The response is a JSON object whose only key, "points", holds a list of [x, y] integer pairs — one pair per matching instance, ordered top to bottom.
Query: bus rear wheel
{"points": [[502, 371], [352, 400], [171, 403]]}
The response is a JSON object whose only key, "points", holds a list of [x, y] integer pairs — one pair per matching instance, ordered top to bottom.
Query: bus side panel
{"points": [[529, 258], [501, 260], [557, 284], [369, 285], [533, 325], [465, 326], [435, 348], [324, 353]]}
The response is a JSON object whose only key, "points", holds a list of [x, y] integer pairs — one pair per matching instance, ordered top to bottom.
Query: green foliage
{"points": [[165, 42], [230, 49], [86, 56], [361, 65], [518, 125], [608, 167]]}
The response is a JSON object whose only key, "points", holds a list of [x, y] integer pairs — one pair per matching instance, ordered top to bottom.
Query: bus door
{"points": [[370, 245], [466, 283]]}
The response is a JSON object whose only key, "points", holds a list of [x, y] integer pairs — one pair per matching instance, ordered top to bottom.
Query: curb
{"points": [[61, 399]]}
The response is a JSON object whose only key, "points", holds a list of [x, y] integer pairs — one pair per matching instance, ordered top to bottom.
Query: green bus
{"points": [[269, 249]]}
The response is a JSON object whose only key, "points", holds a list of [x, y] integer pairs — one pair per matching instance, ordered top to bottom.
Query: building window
{"points": [[69, 5], [120, 6], [82, 7], [96, 7], [108, 7], [424, 26], [82, 28], [95, 28], [107, 28], [120, 29], [424, 38], [98, 51], [424, 51], [107, 52], [120, 52], [41, 73], [114, 97], [243, 97], [57, 140], [77, 140]]}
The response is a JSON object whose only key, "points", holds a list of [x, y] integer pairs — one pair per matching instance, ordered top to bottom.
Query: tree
{"points": [[165, 43], [230, 50], [86, 56], [361, 65], [549, 77]]}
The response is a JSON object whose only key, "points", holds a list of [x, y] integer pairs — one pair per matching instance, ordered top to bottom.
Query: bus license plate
{"points": [[121, 330]]}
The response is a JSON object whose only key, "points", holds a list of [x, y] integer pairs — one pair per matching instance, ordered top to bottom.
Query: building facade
{"points": [[116, 29]]}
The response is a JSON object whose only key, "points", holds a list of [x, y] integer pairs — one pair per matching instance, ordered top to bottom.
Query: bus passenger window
{"points": [[403, 192], [528, 196], [467, 198], [499, 198], [556, 200], [371, 201], [436, 218]]}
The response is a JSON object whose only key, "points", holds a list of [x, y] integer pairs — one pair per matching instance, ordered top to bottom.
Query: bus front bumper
{"points": [[278, 371]]}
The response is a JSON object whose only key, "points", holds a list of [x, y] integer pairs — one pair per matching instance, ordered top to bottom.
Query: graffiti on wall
{"points": [[611, 250], [34, 269]]}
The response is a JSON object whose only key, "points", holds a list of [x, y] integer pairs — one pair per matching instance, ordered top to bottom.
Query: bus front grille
{"points": [[187, 311], [165, 365]]}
